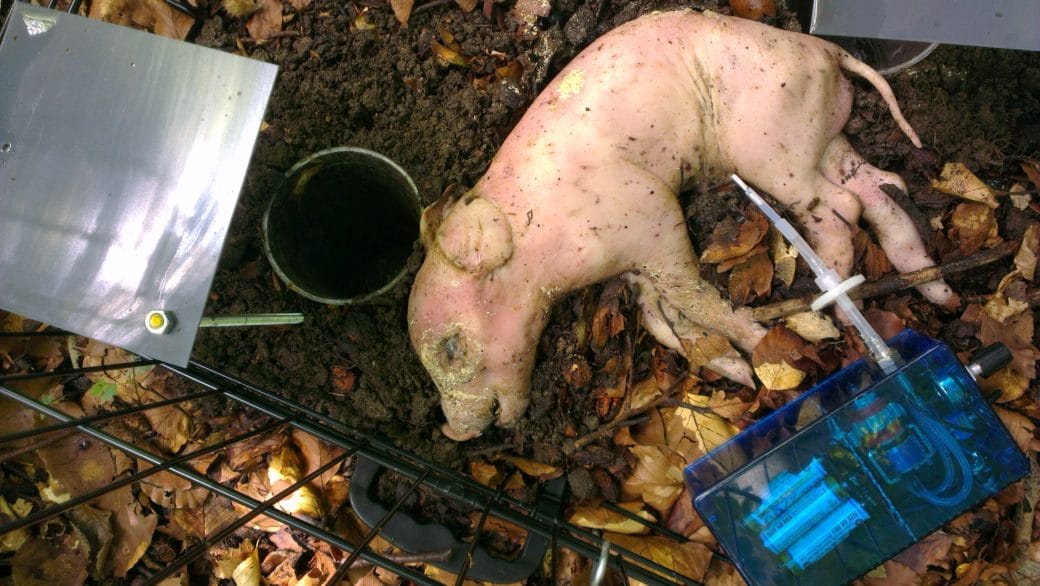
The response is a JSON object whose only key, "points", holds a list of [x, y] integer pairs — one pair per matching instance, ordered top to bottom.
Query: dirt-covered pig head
{"points": [[463, 323]]}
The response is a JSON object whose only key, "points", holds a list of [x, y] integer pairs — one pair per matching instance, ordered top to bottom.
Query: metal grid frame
{"points": [[281, 413]]}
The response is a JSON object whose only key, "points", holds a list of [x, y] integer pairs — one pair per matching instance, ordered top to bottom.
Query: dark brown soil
{"points": [[385, 90]]}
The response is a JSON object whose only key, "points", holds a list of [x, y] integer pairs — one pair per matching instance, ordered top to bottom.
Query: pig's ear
{"points": [[435, 212], [474, 235]]}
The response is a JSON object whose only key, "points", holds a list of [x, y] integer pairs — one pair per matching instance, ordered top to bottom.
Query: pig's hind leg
{"points": [[845, 168]]}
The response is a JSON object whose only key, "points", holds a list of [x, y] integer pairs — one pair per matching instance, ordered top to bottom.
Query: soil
{"points": [[385, 89]]}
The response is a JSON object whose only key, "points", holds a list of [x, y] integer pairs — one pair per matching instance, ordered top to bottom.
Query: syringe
{"points": [[834, 289]]}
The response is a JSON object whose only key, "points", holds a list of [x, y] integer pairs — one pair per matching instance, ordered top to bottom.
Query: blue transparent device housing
{"points": [[856, 469]]}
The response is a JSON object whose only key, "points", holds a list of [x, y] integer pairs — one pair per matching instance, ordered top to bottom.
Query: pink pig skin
{"points": [[584, 188]]}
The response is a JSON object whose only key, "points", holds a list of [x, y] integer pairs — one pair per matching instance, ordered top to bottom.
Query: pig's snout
{"points": [[455, 362]]}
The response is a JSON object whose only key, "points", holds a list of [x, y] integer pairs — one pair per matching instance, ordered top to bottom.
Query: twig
{"points": [[430, 5], [767, 313], [627, 417], [42, 443], [489, 450], [409, 558]]}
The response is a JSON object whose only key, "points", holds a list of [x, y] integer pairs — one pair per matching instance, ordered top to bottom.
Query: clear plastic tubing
{"points": [[826, 279]]}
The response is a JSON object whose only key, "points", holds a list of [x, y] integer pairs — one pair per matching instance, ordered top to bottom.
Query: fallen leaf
{"points": [[466, 5], [240, 8], [402, 10], [152, 15], [266, 21], [361, 22], [446, 55], [1032, 170], [957, 180], [973, 226], [729, 240], [784, 257], [1025, 259], [874, 260], [752, 278], [885, 323], [812, 326], [705, 349], [779, 359], [779, 376], [343, 378], [1020, 427], [692, 429], [285, 468], [532, 468], [485, 473], [657, 476], [596, 517], [683, 518], [96, 526], [133, 528], [12, 540], [930, 551], [61, 559], [689, 559], [247, 572], [892, 573]]}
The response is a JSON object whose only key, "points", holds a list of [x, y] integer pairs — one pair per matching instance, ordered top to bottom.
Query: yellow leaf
{"points": [[361, 22], [448, 56], [957, 180], [1025, 260], [814, 327], [779, 376], [1011, 384], [692, 430], [484, 473], [657, 477], [609, 520], [12, 540], [689, 559], [247, 572]]}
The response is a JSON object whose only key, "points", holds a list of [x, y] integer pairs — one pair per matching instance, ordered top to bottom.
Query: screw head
{"points": [[158, 321]]}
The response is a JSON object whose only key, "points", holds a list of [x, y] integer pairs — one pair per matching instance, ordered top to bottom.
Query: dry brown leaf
{"points": [[467, 5], [402, 10], [152, 15], [266, 21], [957, 180], [973, 226], [729, 240], [784, 257], [1025, 259], [875, 261], [752, 278], [607, 321], [885, 323], [812, 326], [705, 349], [779, 359], [730, 409], [1019, 425], [692, 430], [79, 464], [532, 468], [485, 473], [657, 476], [596, 517], [683, 518], [96, 526], [133, 528], [930, 551], [62, 559], [689, 559], [572, 568], [892, 573]]}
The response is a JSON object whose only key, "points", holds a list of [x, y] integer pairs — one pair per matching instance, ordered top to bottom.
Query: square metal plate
{"points": [[1005, 24], [121, 159]]}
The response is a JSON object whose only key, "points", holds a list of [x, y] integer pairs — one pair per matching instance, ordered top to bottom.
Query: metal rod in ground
{"points": [[251, 319]]}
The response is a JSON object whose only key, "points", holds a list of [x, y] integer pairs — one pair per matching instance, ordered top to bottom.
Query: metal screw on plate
{"points": [[158, 321]]}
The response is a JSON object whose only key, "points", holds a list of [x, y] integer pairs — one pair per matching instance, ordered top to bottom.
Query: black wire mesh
{"points": [[349, 449]]}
